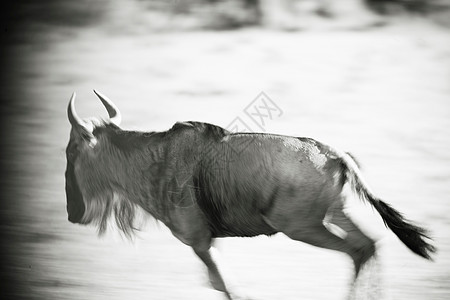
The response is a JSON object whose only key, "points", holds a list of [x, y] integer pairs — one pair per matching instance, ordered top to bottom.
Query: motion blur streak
{"points": [[380, 92]]}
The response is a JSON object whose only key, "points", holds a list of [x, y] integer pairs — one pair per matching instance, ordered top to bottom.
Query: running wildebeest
{"points": [[204, 182]]}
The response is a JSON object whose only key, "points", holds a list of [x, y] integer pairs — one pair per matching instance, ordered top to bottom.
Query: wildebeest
{"points": [[204, 182]]}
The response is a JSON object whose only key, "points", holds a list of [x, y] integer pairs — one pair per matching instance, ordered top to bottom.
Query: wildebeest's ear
{"points": [[84, 129]]}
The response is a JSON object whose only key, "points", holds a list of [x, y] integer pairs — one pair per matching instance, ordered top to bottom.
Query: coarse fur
{"points": [[127, 170], [204, 182]]}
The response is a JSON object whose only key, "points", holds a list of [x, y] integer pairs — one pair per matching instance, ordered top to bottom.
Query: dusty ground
{"points": [[382, 94]]}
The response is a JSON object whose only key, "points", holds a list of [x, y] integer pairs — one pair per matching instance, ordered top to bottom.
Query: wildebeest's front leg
{"points": [[188, 226], [217, 271], [215, 278]]}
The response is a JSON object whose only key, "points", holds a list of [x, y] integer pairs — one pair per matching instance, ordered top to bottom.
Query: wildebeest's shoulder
{"points": [[182, 125], [206, 129]]}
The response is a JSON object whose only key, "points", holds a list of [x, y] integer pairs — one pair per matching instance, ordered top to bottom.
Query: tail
{"points": [[413, 236]]}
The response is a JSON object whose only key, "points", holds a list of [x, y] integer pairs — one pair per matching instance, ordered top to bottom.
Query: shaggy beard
{"points": [[101, 210]]}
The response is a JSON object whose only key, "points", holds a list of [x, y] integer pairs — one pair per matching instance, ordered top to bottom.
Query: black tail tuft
{"points": [[411, 235]]}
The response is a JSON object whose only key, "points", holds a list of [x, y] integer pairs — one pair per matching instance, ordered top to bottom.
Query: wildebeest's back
{"points": [[240, 178]]}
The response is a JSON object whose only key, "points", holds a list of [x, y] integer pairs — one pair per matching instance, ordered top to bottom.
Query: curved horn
{"points": [[114, 114], [74, 119]]}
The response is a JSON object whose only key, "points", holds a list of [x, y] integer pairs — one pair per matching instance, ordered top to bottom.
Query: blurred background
{"points": [[371, 77]]}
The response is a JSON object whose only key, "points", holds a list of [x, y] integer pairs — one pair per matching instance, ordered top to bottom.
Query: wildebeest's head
{"points": [[79, 151]]}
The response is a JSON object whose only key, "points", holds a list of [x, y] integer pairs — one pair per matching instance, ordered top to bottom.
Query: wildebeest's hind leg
{"points": [[319, 236], [348, 239], [363, 246], [360, 250], [367, 284]]}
